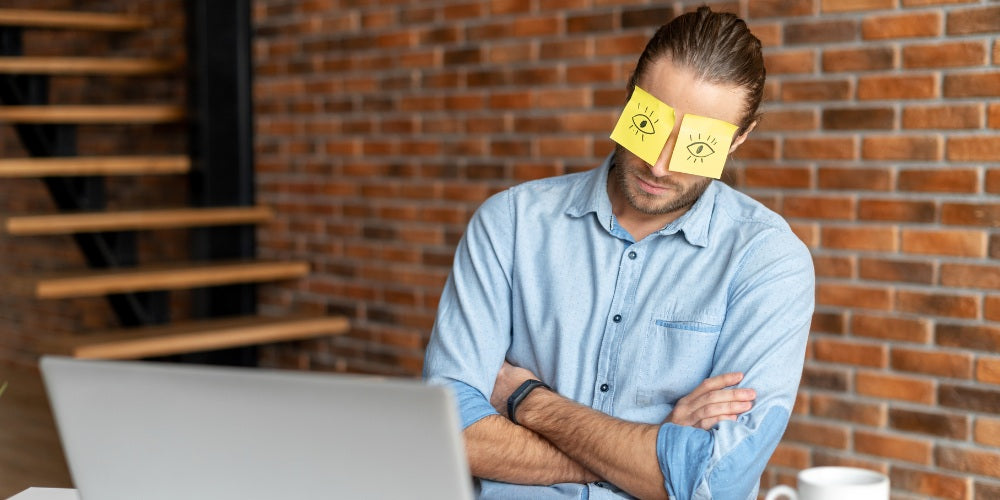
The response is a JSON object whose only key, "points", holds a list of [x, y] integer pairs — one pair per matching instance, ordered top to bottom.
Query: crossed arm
{"points": [[561, 441]]}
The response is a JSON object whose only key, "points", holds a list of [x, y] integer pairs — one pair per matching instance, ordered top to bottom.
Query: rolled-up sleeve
{"points": [[471, 333], [764, 336]]}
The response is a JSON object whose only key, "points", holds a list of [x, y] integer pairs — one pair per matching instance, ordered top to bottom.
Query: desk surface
{"points": [[46, 494]]}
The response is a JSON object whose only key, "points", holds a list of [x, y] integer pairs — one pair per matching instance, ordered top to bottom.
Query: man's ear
{"points": [[742, 137]]}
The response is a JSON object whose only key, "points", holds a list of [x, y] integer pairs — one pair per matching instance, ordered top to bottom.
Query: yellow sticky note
{"points": [[644, 126], [702, 146]]}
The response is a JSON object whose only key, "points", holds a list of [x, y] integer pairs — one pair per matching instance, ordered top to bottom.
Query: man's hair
{"points": [[717, 47]]}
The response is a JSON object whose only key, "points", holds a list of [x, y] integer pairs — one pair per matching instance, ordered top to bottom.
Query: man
{"points": [[604, 314]]}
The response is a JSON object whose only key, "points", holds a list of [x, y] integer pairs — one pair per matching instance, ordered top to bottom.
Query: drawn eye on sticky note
{"points": [[644, 126], [702, 146]]}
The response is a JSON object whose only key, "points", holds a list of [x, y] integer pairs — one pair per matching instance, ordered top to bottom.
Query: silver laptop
{"points": [[141, 430]]}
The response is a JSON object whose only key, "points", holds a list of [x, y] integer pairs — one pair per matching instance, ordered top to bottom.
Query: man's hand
{"points": [[508, 380], [712, 402]]}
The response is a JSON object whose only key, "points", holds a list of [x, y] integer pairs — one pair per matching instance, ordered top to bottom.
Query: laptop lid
{"points": [[162, 431]]}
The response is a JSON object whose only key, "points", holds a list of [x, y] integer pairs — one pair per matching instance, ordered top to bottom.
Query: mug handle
{"points": [[782, 490]]}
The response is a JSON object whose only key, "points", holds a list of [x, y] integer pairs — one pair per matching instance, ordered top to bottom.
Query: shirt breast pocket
{"points": [[678, 356]]}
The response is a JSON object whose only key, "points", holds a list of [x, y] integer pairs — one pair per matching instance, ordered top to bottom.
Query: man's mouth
{"points": [[651, 188]]}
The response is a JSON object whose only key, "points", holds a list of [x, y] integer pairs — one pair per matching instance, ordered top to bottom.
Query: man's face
{"points": [[653, 189]]}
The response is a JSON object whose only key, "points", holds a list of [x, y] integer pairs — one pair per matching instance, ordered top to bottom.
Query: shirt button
{"points": [[632, 255], [617, 318], [605, 387]]}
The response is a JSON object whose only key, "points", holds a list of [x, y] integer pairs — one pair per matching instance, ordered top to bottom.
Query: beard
{"points": [[626, 167]]}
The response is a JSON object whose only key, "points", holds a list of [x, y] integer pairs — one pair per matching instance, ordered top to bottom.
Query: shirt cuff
{"points": [[472, 405], [683, 453]]}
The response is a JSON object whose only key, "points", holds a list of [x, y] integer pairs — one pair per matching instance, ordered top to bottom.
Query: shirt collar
{"points": [[593, 198]]}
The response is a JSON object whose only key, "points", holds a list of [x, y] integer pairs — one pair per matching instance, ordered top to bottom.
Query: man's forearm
{"points": [[500, 450], [622, 452]]}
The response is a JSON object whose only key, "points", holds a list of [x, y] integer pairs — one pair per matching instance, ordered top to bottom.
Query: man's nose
{"points": [[660, 168]]}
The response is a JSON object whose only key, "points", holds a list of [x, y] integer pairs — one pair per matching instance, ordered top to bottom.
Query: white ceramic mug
{"points": [[835, 483]]}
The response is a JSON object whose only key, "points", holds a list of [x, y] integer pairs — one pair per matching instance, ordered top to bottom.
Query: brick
{"points": [[922, 3], [856, 5], [780, 8], [649, 16], [969, 21], [921, 24], [820, 32], [769, 34], [619, 45], [566, 50], [945, 55], [863, 59], [790, 62], [590, 73], [972, 85], [897, 87], [816, 90], [563, 98], [994, 110], [953, 116], [858, 118], [788, 120], [563, 146], [891, 147], [828, 148], [979, 148], [758, 149], [777, 177], [855, 179], [993, 181], [818, 208], [896, 210], [971, 214], [808, 233], [873, 238], [939, 242], [833, 267], [895, 270], [970, 276], [862, 297], [938, 304], [991, 308], [828, 322], [890, 328], [980, 337], [850, 353], [944, 364], [988, 370], [827, 379], [897, 387], [969, 398], [848, 410], [947, 425], [987, 431], [829, 436], [900, 448], [788, 455], [826, 458], [968, 460], [932, 484], [987, 491]]}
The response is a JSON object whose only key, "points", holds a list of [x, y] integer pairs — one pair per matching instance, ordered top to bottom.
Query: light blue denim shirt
{"points": [[546, 278]]}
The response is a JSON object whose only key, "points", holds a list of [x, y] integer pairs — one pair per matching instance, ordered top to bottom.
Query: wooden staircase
{"points": [[146, 339]]}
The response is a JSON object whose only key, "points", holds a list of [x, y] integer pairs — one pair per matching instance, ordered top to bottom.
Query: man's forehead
{"points": [[682, 89]]}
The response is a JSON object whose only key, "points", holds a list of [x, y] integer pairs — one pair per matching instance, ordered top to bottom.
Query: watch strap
{"points": [[520, 393]]}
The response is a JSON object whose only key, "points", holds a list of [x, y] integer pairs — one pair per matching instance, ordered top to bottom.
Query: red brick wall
{"points": [[382, 125]]}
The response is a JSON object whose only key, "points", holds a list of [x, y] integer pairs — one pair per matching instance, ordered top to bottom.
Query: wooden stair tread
{"points": [[98, 21], [84, 65], [135, 113], [94, 165], [84, 222], [98, 282], [194, 336]]}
